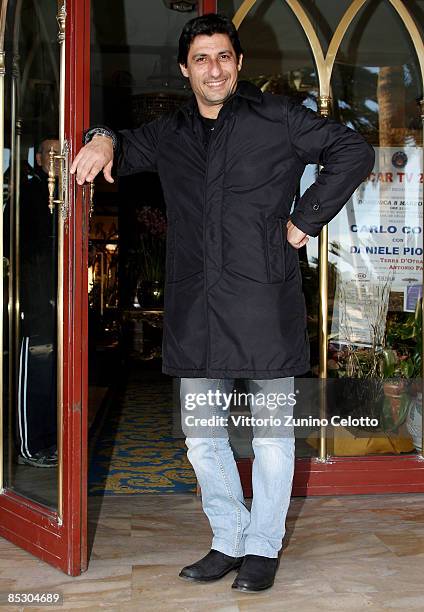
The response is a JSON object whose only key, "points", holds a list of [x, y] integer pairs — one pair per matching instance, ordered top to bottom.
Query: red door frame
{"points": [[207, 6], [371, 475], [27, 524]]}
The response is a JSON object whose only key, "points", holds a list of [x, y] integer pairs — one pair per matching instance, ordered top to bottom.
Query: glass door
{"points": [[42, 227]]}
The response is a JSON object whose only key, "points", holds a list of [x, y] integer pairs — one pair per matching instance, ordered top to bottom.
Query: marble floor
{"points": [[342, 554]]}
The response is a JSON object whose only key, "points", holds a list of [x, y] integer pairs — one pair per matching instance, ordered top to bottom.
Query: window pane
{"points": [[375, 243]]}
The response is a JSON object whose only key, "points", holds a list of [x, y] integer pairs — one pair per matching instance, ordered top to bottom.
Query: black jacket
{"points": [[234, 306]]}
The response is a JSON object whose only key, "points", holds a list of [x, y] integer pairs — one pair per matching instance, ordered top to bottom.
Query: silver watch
{"points": [[102, 132]]}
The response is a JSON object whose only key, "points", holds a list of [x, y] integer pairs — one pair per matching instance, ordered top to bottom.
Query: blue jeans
{"points": [[236, 530]]}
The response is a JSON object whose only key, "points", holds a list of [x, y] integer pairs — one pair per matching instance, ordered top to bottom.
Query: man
{"points": [[230, 162], [36, 426]]}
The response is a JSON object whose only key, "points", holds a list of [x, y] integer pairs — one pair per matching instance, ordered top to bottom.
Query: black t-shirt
{"points": [[208, 127]]}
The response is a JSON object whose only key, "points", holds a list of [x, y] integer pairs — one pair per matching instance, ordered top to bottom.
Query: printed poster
{"points": [[376, 246]]}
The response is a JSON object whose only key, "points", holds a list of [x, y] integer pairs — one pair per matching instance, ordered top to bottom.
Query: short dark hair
{"points": [[212, 23], [45, 139]]}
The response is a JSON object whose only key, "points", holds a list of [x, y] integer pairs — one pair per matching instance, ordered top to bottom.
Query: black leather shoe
{"points": [[211, 567], [257, 573]]}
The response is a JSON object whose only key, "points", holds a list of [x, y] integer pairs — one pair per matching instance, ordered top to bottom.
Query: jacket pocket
{"points": [[276, 248], [290, 253], [182, 257]]}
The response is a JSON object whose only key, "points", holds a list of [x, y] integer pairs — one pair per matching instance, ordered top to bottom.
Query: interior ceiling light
{"points": [[182, 6]]}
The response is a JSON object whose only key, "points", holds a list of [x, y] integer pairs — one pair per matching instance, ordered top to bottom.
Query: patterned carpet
{"points": [[135, 451]]}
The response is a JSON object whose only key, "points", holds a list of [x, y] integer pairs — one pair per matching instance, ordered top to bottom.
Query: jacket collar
{"points": [[245, 90], [248, 90]]}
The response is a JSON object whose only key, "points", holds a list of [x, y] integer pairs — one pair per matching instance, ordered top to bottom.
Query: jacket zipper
{"points": [[220, 119], [205, 271]]}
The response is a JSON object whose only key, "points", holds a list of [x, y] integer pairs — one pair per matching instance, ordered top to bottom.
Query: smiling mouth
{"points": [[216, 84]]}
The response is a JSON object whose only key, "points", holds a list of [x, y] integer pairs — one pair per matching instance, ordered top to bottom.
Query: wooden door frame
{"points": [[207, 6], [369, 475], [62, 540]]}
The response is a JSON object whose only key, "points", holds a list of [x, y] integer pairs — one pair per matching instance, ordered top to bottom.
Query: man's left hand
{"points": [[295, 236]]}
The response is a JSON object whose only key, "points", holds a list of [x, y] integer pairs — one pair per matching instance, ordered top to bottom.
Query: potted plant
{"points": [[357, 368], [401, 368], [381, 380]]}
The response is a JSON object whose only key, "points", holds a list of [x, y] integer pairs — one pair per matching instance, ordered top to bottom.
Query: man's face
{"points": [[212, 69], [43, 158]]}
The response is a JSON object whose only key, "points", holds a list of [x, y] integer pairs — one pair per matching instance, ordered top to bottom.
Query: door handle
{"points": [[62, 198], [91, 209]]}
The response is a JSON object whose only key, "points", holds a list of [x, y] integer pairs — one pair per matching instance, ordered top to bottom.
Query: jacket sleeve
{"points": [[137, 148], [134, 150], [346, 157]]}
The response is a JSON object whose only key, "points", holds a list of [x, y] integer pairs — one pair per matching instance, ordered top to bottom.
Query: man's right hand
{"points": [[95, 156], [295, 236]]}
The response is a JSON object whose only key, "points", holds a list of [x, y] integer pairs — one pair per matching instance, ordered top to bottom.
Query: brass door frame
{"points": [[324, 66], [62, 219]]}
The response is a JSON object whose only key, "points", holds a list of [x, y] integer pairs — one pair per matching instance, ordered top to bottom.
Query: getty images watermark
{"points": [[238, 398], [280, 403]]}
